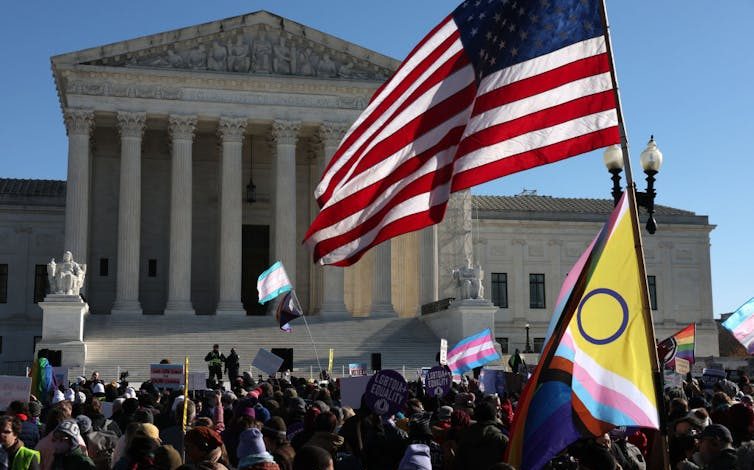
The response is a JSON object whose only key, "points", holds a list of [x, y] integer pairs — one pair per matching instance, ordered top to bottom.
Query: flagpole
{"points": [[638, 246], [316, 354]]}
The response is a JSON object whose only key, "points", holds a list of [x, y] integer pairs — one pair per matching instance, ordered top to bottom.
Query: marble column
{"points": [[79, 124], [131, 127], [181, 130], [231, 132], [285, 136], [429, 267], [333, 279], [382, 301]]}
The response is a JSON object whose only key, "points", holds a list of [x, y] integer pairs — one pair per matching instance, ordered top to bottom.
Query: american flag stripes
{"points": [[499, 86]]}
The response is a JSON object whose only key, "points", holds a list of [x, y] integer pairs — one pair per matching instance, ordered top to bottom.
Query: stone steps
{"points": [[133, 342]]}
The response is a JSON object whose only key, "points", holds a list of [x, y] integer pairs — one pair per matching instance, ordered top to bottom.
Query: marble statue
{"points": [[262, 54], [217, 57], [239, 60], [281, 61], [304, 62], [326, 67], [66, 277], [469, 281]]}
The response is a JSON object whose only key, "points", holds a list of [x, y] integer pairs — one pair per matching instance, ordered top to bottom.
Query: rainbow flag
{"points": [[741, 324], [680, 345], [595, 372]]}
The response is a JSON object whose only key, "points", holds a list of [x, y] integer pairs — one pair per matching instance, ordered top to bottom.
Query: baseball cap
{"points": [[716, 431]]}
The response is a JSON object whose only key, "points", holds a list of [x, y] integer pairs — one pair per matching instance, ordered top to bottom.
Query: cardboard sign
{"points": [[443, 352], [267, 362], [682, 366], [357, 369], [168, 376], [671, 379], [197, 380], [438, 381], [493, 381], [14, 388], [352, 389], [386, 392]]}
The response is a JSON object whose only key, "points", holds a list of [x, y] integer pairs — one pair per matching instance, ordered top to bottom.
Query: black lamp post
{"points": [[651, 161], [527, 348]]}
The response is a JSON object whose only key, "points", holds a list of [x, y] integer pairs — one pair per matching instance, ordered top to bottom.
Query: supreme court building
{"points": [[193, 156]]}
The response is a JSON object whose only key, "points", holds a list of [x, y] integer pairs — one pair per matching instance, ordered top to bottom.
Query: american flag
{"points": [[499, 86]]}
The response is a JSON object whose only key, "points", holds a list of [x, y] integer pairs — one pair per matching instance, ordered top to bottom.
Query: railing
{"points": [[436, 306], [14, 367]]}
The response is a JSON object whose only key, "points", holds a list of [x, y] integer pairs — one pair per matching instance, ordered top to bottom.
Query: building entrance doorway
{"points": [[255, 258]]}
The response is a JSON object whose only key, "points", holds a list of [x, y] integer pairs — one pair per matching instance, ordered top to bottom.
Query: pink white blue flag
{"points": [[273, 282], [741, 325], [474, 351]]}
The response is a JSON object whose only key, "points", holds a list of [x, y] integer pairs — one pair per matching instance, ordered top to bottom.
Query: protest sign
{"points": [[443, 352], [267, 362], [682, 366], [357, 368], [61, 375], [168, 376], [671, 379], [197, 380], [438, 381], [493, 381], [14, 388], [351, 390], [386, 392], [107, 408]]}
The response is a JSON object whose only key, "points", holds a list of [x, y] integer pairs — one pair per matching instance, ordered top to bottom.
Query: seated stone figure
{"points": [[66, 277]]}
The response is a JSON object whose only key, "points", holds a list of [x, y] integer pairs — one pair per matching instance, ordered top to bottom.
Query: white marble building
{"points": [[166, 135]]}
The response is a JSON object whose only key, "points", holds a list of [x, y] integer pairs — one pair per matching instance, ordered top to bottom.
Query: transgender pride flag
{"points": [[273, 282], [741, 325], [474, 351]]}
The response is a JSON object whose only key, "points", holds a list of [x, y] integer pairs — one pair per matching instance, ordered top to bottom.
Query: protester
{"points": [[232, 364], [204, 449], [69, 454], [18, 456], [313, 458]]}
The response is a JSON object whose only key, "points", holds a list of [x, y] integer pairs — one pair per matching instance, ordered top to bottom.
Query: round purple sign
{"points": [[438, 381], [386, 392]]}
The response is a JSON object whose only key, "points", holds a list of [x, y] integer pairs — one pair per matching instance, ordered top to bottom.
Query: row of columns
{"points": [[131, 126]]}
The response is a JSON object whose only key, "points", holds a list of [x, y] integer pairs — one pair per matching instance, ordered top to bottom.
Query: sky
{"points": [[685, 70]]}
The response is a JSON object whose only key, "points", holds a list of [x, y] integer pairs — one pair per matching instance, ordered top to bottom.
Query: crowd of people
{"points": [[300, 424]]}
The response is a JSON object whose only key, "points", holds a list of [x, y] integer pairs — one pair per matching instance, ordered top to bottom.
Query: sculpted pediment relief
{"points": [[256, 49]]}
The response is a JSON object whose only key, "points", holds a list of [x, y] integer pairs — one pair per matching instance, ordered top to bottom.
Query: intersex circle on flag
{"points": [[624, 321]]}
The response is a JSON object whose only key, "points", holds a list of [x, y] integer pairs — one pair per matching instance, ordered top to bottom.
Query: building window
{"points": [[104, 267], [152, 270], [3, 283], [41, 283], [652, 283], [500, 289], [536, 291], [503, 342], [539, 344]]}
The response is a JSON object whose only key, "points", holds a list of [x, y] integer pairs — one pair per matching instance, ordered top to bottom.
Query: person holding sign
{"points": [[215, 360], [19, 457]]}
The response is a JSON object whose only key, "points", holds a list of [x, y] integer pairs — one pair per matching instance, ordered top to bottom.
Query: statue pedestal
{"points": [[463, 318], [63, 327]]}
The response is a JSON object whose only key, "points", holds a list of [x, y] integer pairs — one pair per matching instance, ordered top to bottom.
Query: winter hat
{"points": [[81, 380], [98, 389], [129, 393], [290, 393], [69, 394], [57, 397], [80, 398], [177, 402], [117, 404], [297, 405], [321, 405], [35, 409], [249, 412], [262, 413], [443, 413], [143, 416], [85, 423], [418, 425], [70, 428], [275, 428], [149, 430], [716, 431], [204, 438], [250, 442], [167, 457], [416, 458]]}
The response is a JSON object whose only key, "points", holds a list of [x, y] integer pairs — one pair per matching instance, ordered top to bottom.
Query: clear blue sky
{"points": [[685, 70]]}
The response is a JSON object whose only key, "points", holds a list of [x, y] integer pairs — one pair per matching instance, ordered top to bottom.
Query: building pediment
{"points": [[259, 43]]}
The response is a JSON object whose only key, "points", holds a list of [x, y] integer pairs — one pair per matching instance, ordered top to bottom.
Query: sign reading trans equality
{"points": [[168, 376], [386, 392]]}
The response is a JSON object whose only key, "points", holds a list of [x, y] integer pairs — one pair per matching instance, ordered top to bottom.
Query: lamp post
{"points": [[651, 161], [527, 348]]}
